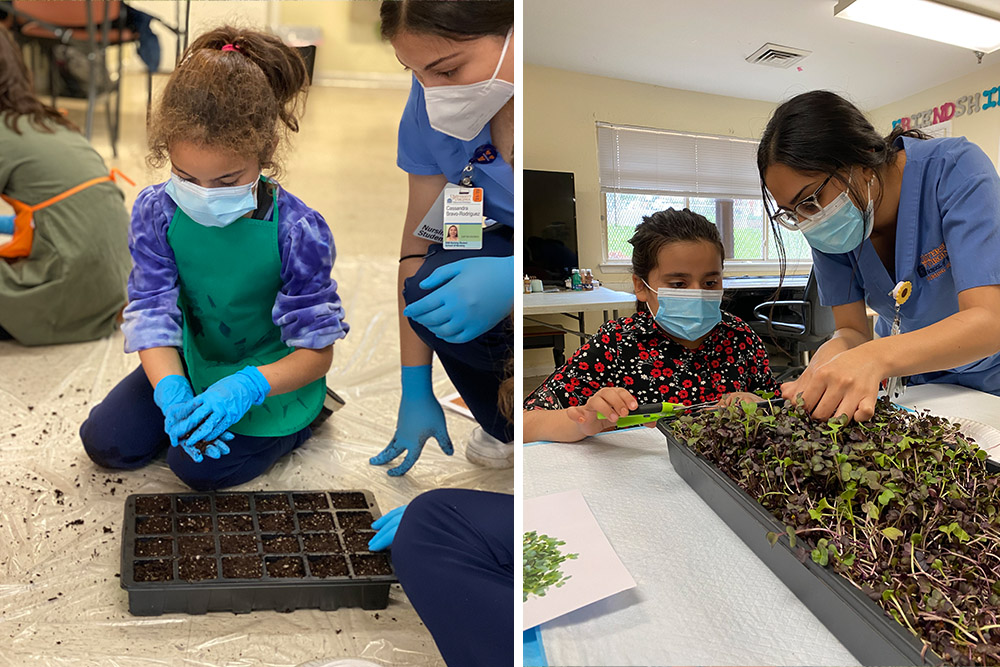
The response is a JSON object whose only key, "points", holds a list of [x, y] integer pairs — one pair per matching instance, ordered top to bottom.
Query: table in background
{"points": [[573, 304], [702, 597]]}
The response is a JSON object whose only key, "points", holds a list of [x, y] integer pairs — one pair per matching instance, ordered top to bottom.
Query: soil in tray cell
{"points": [[310, 501], [349, 501], [271, 502], [232, 503], [152, 505], [193, 505], [355, 520], [316, 521], [235, 523], [276, 523], [194, 524], [152, 525], [357, 540], [318, 543], [238, 544], [280, 544], [195, 545], [154, 546], [370, 565], [328, 566], [242, 567], [285, 567], [196, 568], [153, 570]]}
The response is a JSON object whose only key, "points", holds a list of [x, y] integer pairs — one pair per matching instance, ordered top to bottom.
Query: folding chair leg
{"points": [[52, 75]]}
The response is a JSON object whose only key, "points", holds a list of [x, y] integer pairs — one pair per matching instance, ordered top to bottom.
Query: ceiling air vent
{"points": [[775, 55]]}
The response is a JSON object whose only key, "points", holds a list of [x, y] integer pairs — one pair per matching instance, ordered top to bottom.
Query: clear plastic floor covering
{"points": [[60, 516]]}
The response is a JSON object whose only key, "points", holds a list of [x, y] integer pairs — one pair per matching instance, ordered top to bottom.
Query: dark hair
{"points": [[453, 19], [17, 96], [244, 99], [820, 131], [670, 226]]}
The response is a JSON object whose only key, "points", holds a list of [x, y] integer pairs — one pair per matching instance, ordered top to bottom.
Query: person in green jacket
{"points": [[63, 272]]}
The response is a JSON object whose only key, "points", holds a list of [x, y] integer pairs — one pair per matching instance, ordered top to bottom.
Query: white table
{"points": [[574, 304], [702, 597]]}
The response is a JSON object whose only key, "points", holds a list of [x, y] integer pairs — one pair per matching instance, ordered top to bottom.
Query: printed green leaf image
{"points": [[542, 559]]}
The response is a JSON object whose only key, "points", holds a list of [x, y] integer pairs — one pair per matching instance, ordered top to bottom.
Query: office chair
{"points": [[797, 327]]}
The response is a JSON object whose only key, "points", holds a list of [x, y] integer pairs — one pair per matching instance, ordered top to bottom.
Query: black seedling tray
{"points": [[242, 551], [873, 637]]}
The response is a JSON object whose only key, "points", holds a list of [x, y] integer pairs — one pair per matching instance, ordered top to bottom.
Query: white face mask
{"points": [[463, 111]]}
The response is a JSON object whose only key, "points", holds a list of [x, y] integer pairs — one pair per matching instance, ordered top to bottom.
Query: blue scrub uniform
{"points": [[947, 241], [476, 368]]}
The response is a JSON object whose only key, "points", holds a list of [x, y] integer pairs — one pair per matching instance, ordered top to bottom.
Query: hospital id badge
{"points": [[463, 218]]}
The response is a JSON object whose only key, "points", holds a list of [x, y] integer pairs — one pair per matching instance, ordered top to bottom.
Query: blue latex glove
{"points": [[6, 224], [470, 296], [173, 395], [221, 405], [420, 417], [386, 526]]}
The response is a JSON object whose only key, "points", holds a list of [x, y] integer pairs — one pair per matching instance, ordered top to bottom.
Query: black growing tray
{"points": [[199, 552], [873, 637]]}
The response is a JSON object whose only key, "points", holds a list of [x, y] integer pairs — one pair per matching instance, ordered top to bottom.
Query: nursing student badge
{"points": [[463, 218]]}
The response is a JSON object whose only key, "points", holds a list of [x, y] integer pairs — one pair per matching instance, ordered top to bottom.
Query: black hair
{"points": [[453, 19], [820, 131], [670, 226]]}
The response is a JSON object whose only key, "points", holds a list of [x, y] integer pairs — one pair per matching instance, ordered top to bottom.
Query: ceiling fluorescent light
{"points": [[927, 19]]}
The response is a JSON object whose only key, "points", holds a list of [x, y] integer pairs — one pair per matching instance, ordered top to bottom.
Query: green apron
{"points": [[229, 278]]}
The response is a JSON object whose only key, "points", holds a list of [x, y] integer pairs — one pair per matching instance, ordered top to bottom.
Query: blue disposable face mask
{"points": [[213, 207], [839, 227], [687, 314]]}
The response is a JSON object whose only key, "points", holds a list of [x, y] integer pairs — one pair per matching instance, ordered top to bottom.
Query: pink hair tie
{"points": [[230, 47]]}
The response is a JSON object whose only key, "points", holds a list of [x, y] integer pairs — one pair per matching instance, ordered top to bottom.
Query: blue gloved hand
{"points": [[6, 224], [470, 296], [173, 395], [221, 405], [420, 417], [386, 526]]}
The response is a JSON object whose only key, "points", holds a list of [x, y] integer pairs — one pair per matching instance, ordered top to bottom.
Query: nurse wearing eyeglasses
{"points": [[877, 211]]}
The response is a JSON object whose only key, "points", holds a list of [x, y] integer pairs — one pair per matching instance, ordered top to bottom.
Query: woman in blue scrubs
{"points": [[457, 128], [878, 211], [454, 550]]}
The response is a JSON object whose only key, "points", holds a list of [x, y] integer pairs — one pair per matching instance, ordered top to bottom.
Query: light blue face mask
{"points": [[213, 207], [839, 227], [687, 314]]}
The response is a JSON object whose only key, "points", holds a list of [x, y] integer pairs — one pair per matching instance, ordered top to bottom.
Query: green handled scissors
{"points": [[646, 414]]}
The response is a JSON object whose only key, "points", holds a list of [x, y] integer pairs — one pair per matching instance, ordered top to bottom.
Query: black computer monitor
{"points": [[550, 251]]}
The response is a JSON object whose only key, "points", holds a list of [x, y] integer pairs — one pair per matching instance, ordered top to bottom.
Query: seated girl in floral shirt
{"points": [[679, 348]]}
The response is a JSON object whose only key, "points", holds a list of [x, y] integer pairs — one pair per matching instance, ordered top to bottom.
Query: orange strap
{"points": [[24, 223]]}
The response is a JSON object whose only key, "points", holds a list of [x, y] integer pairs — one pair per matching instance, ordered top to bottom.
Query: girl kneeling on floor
{"points": [[231, 305], [680, 347]]}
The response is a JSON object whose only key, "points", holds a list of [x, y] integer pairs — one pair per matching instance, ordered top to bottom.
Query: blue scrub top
{"points": [[427, 152], [947, 241]]}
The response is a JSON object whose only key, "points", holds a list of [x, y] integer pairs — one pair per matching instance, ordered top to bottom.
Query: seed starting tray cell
{"points": [[243, 551]]}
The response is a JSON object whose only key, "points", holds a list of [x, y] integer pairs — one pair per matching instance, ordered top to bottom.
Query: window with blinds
{"points": [[643, 170]]}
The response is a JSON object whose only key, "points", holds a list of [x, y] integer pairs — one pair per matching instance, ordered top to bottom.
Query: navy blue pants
{"points": [[476, 368], [125, 431], [454, 555]]}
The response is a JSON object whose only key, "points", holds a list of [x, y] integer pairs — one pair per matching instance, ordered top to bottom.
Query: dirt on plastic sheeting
{"points": [[60, 527]]}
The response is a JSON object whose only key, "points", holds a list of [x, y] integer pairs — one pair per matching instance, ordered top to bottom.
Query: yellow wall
{"points": [[351, 42], [560, 112], [981, 128]]}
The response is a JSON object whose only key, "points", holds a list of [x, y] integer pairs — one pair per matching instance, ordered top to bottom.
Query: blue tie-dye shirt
{"points": [[307, 308]]}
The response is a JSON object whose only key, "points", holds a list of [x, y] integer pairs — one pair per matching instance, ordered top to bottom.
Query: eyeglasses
{"points": [[807, 208]]}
